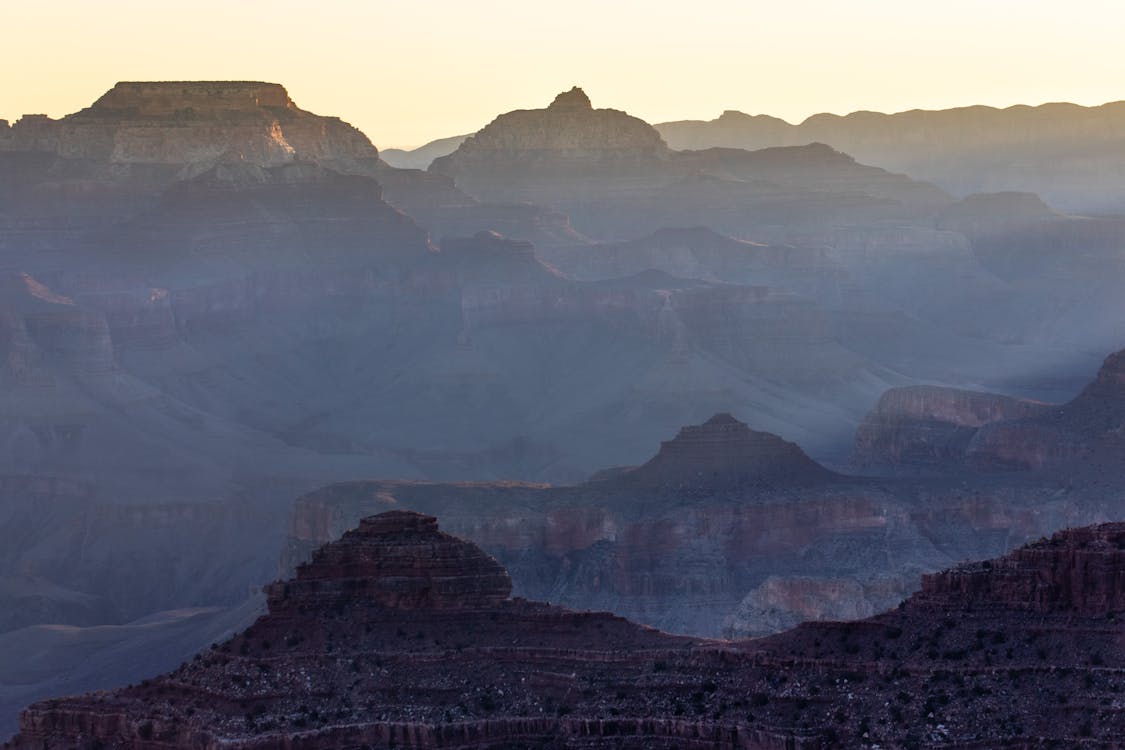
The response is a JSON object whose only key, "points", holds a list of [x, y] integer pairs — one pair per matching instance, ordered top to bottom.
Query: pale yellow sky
{"points": [[406, 72]]}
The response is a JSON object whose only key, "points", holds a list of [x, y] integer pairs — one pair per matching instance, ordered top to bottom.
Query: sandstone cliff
{"points": [[190, 124], [920, 427]]}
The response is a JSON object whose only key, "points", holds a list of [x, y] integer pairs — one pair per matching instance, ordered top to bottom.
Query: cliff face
{"points": [[193, 123], [927, 426], [1086, 430], [1075, 571], [420, 646]]}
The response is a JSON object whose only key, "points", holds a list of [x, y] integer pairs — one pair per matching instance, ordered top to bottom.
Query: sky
{"points": [[410, 71]]}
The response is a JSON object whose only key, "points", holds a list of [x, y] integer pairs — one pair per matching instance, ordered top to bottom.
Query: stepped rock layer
{"points": [[192, 123], [614, 176], [930, 426], [925, 427], [725, 451], [725, 530], [420, 647]]}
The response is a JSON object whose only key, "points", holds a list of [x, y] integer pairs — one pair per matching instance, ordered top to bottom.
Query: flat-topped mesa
{"points": [[165, 98], [195, 125], [725, 452], [400, 560], [1077, 570]]}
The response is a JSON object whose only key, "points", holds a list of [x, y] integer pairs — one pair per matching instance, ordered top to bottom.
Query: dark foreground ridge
{"points": [[399, 635]]}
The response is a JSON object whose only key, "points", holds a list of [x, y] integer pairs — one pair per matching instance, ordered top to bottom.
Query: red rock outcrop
{"points": [[930, 426], [1086, 431], [683, 542], [397, 559], [1075, 571], [470, 668]]}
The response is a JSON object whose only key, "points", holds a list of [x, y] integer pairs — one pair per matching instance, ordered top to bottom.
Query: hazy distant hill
{"points": [[1073, 156], [420, 158]]}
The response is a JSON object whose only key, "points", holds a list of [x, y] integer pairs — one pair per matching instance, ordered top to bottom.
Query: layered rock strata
{"points": [[931, 427], [464, 666]]}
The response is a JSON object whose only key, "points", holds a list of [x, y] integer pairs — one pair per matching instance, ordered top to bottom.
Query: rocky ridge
{"points": [[1070, 154], [725, 530], [418, 651]]}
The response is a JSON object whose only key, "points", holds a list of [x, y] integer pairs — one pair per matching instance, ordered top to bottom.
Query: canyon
{"points": [[213, 302], [728, 531], [400, 634]]}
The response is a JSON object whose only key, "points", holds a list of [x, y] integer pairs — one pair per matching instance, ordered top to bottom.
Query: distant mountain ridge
{"points": [[1073, 156]]}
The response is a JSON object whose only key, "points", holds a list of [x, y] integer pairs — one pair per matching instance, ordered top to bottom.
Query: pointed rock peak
{"points": [[575, 99], [724, 452], [400, 560]]}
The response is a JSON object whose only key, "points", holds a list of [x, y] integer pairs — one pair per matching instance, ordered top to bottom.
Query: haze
{"points": [[406, 73]]}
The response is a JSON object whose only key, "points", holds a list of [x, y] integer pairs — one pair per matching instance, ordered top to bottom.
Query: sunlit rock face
{"points": [[193, 123], [568, 130], [399, 634]]}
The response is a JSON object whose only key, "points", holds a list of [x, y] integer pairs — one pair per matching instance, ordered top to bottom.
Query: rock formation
{"points": [[191, 124], [568, 131], [1071, 155], [615, 177], [212, 302], [920, 427], [1088, 430], [723, 452], [725, 530], [397, 560], [398, 634]]}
